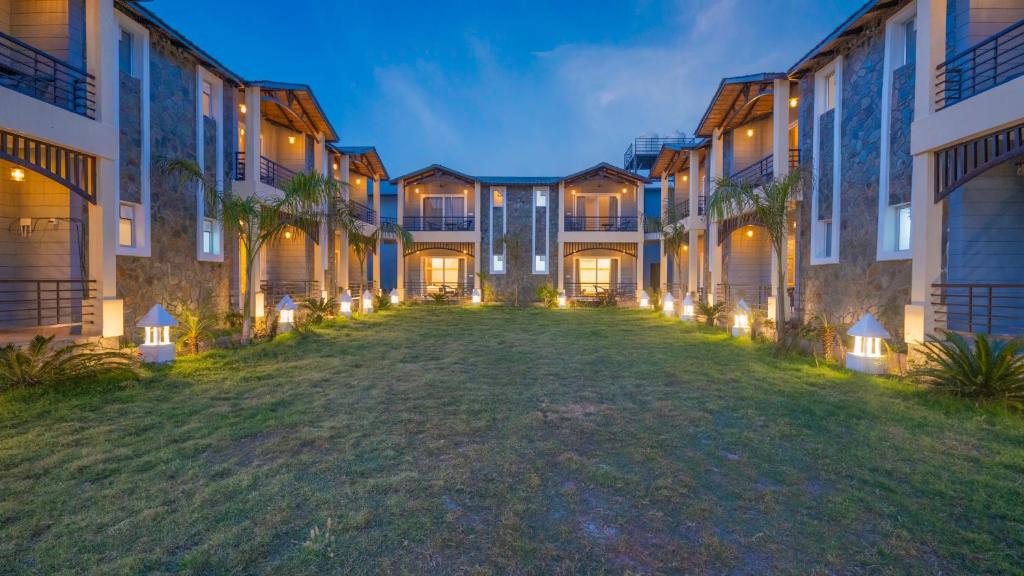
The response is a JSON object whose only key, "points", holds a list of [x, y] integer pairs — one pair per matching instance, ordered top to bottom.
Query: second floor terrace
{"points": [[987, 63], [438, 199], [603, 199]]}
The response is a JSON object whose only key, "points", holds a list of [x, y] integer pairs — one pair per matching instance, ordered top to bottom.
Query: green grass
{"points": [[440, 439]]}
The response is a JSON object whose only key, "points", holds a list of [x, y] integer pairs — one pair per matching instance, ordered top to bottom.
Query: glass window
{"points": [[909, 41], [125, 52], [830, 91], [207, 99], [499, 198], [542, 198], [126, 226], [903, 227], [211, 236], [827, 238], [498, 263], [540, 263], [442, 272], [595, 274]]}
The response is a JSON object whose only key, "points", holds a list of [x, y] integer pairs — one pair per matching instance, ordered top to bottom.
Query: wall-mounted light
{"points": [[793, 102], [242, 108], [241, 131], [750, 132], [291, 139], [335, 165], [18, 174], [686, 177], [359, 180], [417, 190], [623, 190], [750, 232], [287, 234], [686, 247]]}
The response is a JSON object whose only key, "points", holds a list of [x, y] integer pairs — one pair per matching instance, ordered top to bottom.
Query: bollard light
{"points": [[394, 296], [475, 297], [645, 300], [562, 301], [367, 302], [346, 304], [668, 304], [286, 314], [687, 315], [741, 319], [157, 323], [867, 354]]}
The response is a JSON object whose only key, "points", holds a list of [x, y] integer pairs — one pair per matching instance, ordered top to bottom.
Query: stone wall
{"points": [[901, 116], [130, 158], [519, 203], [173, 273], [859, 283]]}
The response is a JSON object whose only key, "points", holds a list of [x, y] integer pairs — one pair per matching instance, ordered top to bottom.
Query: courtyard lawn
{"points": [[448, 440]]}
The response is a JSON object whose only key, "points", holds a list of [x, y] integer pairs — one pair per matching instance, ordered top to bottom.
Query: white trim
{"points": [[820, 77], [217, 104], [143, 223], [504, 228], [547, 231], [886, 233]]}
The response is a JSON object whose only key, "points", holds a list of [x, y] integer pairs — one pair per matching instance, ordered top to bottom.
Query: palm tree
{"points": [[307, 202], [770, 203], [673, 238], [365, 244]]}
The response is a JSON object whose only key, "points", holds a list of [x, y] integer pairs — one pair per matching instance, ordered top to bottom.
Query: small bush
{"points": [[548, 296], [439, 297], [382, 301], [319, 309], [711, 313], [233, 318], [195, 326], [39, 363], [988, 369]]}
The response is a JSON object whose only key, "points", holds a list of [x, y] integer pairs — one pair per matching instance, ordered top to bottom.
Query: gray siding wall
{"points": [[971, 21], [986, 228], [747, 262]]}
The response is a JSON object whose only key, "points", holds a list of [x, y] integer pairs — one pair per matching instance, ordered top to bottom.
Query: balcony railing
{"points": [[989, 63], [37, 74], [641, 153], [762, 171], [271, 173], [682, 209], [363, 212], [438, 223], [601, 223], [299, 290], [453, 291], [583, 291], [755, 295], [35, 303], [996, 309]]}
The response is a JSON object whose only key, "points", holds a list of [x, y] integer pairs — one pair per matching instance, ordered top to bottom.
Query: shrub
{"points": [[548, 295], [439, 297], [382, 301], [319, 309], [711, 313], [233, 318], [195, 326], [827, 335], [39, 363], [988, 369]]}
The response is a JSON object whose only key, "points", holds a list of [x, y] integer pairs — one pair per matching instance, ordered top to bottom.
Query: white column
{"points": [[252, 134], [780, 166], [925, 213], [477, 228], [561, 234], [399, 247], [714, 249], [376, 254], [693, 254], [321, 256], [561, 265], [343, 272], [663, 272]]}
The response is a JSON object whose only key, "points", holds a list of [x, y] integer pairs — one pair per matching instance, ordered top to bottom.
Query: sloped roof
{"points": [[852, 26], [738, 99], [294, 106], [674, 157], [365, 160], [605, 169], [433, 170], [519, 180]]}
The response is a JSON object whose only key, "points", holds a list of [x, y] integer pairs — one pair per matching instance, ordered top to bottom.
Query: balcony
{"points": [[993, 61], [35, 73], [642, 153], [762, 171], [271, 173], [682, 209], [362, 212], [438, 223], [602, 223], [299, 290], [452, 292], [600, 292], [45, 303], [993, 309]]}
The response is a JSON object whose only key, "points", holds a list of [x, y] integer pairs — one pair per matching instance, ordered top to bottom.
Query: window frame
{"points": [[140, 38], [203, 77], [134, 210], [826, 251], [535, 259], [499, 262]]}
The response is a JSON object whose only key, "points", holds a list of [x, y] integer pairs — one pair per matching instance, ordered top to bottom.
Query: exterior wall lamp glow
{"points": [[18, 174], [345, 304], [668, 305], [286, 314], [687, 315], [741, 320], [157, 323], [867, 355]]}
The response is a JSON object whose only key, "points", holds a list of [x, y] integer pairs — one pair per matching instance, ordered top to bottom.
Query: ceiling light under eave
{"points": [[794, 102], [243, 108], [750, 132], [291, 139], [18, 174]]}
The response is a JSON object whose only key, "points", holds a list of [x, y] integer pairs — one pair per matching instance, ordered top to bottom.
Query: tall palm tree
{"points": [[307, 202], [770, 203], [673, 237], [365, 244]]}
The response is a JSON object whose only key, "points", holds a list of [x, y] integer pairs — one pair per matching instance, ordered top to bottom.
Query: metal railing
{"points": [[989, 63], [35, 73], [650, 146], [763, 170], [271, 173], [682, 209], [363, 212], [438, 223], [601, 223], [299, 290], [584, 291], [454, 292], [755, 295], [35, 303], [996, 309]]}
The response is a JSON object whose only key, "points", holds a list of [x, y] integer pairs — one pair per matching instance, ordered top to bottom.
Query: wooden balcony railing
{"points": [[989, 63], [35, 73], [762, 171], [271, 173], [602, 223], [755, 295], [35, 303], [996, 309]]}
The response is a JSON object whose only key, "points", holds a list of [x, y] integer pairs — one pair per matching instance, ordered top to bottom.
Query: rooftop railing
{"points": [[993, 61], [35, 73], [650, 147]]}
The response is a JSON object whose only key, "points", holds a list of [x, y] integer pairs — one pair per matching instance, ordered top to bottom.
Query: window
{"points": [[909, 51], [126, 53], [830, 91], [207, 99], [827, 163], [499, 198], [541, 198], [439, 210], [902, 224], [126, 226], [497, 230], [541, 231], [211, 236], [826, 249], [540, 263], [442, 273], [595, 275]]}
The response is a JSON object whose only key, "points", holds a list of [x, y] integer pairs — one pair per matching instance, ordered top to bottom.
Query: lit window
{"points": [[126, 53], [830, 91], [207, 99], [499, 198], [542, 198], [126, 226], [902, 227], [211, 236], [498, 263], [540, 263], [442, 273], [595, 274]]}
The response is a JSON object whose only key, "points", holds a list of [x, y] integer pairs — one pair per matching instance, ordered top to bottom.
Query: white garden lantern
{"points": [[394, 296], [475, 297], [562, 300], [645, 300], [367, 302], [345, 304], [668, 305], [286, 314], [687, 315], [741, 319], [158, 347], [867, 354]]}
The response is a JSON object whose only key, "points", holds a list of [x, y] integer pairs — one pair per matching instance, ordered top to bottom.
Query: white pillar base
{"points": [[738, 332], [157, 353], [867, 364]]}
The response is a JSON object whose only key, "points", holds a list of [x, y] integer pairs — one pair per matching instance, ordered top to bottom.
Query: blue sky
{"points": [[512, 87]]}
